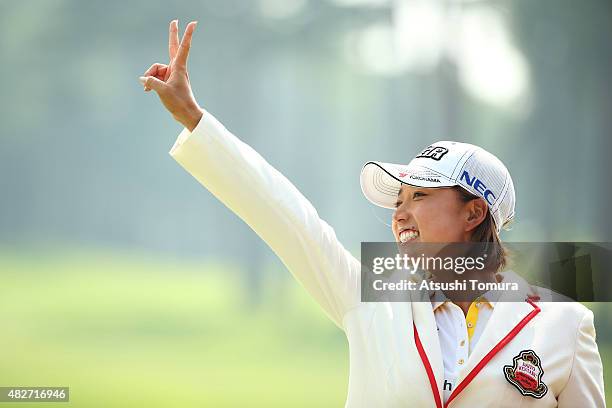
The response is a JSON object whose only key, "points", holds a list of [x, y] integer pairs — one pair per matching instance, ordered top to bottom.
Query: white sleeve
{"points": [[263, 198], [585, 387]]}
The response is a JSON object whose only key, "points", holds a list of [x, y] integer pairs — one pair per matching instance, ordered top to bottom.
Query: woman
{"points": [[484, 353]]}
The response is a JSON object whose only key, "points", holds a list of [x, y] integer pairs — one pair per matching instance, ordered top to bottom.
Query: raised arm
{"points": [[239, 177]]}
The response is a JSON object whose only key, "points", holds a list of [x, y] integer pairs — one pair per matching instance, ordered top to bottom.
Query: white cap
{"points": [[445, 164]]}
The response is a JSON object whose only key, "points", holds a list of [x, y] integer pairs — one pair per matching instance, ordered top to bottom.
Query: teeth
{"points": [[408, 235]]}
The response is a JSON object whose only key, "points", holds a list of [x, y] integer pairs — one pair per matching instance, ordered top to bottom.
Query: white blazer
{"points": [[395, 357]]}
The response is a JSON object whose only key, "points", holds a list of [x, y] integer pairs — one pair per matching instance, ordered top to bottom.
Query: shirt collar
{"points": [[438, 298]]}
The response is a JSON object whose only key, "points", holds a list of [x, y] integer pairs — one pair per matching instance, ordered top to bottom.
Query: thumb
{"points": [[153, 83]]}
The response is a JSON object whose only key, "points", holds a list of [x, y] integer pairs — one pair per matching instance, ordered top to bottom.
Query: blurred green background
{"points": [[124, 279], [124, 330]]}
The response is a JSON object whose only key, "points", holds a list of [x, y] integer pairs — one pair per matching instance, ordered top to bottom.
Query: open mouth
{"points": [[408, 235]]}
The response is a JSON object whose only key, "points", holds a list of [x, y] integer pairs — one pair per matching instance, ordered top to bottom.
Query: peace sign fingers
{"points": [[171, 82]]}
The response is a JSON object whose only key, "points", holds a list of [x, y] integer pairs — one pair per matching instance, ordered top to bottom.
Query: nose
{"points": [[401, 213]]}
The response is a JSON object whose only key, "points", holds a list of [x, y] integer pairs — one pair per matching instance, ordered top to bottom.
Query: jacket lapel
{"points": [[505, 318], [425, 323], [505, 323]]}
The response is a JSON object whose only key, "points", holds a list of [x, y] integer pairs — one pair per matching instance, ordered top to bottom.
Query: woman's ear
{"points": [[476, 213]]}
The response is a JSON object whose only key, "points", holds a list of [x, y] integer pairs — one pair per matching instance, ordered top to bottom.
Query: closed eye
{"points": [[416, 194]]}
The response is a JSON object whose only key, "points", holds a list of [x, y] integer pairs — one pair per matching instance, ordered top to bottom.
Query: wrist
{"points": [[191, 117]]}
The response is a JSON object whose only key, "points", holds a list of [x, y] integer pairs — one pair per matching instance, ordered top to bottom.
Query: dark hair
{"points": [[497, 255]]}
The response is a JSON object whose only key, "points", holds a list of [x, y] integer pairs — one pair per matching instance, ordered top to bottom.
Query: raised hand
{"points": [[171, 82]]}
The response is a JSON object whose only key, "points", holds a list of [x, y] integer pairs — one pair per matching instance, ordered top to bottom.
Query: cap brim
{"points": [[381, 182]]}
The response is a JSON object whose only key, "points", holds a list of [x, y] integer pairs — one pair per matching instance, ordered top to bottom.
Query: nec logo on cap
{"points": [[433, 152], [479, 186]]}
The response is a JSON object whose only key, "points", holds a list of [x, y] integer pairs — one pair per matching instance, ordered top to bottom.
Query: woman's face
{"points": [[433, 215]]}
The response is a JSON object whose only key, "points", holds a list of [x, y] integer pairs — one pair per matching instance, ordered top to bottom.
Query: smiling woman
{"points": [[442, 203], [434, 215], [419, 353]]}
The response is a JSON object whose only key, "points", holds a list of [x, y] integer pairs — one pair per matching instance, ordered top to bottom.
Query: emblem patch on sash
{"points": [[526, 374]]}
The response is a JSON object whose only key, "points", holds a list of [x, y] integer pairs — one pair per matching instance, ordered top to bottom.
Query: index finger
{"points": [[173, 39], [183, 51]]}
